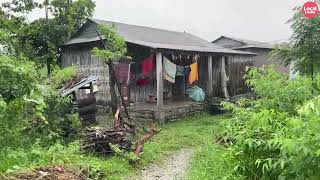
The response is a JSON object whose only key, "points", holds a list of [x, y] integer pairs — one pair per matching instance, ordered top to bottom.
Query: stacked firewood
{"points": [[99, 140]]}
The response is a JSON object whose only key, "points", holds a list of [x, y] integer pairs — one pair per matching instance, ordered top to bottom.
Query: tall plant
{"points": [[304, 47], [275, 135]]}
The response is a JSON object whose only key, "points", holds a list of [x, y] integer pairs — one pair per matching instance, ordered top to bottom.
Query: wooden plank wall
{"points": [[88, 64], [235, 69], [216, 74]]}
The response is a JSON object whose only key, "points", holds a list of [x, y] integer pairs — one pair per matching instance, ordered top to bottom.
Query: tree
{"points": [[40, 39], [304, 47], [114, 49]]}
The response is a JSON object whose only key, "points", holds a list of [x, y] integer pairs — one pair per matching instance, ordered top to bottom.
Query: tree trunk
{"points": [[114, 99]]}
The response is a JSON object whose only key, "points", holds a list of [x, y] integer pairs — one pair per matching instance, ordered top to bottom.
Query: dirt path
{"points": [[173, 167]]}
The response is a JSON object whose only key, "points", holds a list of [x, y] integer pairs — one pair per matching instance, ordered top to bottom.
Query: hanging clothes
{"points": [[147, 66], [170, 70], [180, 70], [187, 71], [122, 72], [193, 76]]}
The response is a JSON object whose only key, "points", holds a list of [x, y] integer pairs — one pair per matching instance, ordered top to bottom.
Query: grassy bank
{"points": [[193, 132]]}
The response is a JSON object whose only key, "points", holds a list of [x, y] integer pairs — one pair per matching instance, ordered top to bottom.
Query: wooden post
{"points": [[210, 78], [224, 78], [159, 80]]}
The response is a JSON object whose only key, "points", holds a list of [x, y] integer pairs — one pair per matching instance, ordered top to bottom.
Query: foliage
{"points": [[40, 39], [115, 44], [305, 44], [62, 76], [18, 78], [276, 92], [31, 109], [269, 137], [212, 162]]}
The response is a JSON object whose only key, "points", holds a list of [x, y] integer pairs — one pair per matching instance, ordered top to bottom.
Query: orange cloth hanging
{"points": [[193, 76]]}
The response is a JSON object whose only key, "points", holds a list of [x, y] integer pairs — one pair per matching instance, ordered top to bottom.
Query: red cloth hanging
{"points": [[147, 66]]}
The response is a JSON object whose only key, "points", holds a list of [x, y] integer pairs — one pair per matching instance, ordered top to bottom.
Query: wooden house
{"points": [[262, 49], [214, 64]]}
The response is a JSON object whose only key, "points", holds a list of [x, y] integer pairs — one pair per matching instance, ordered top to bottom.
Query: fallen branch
{"points": [[146, 137]]}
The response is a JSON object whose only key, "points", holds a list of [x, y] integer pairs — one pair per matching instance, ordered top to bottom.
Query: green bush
{"points": [[31, 109], [276, 136]]}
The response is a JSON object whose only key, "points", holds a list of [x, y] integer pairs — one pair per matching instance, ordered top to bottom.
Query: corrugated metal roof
{"points": [[153, 38], [247, 43], [78, 85]]}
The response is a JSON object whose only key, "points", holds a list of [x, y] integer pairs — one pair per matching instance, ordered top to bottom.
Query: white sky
{"points": [[261, 20]]}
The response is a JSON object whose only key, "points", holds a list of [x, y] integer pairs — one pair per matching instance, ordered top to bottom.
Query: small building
{"points": [[180, 48], [262, 49]]}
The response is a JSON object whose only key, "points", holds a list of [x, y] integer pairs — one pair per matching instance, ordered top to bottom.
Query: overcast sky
{"points": [[261, 20]]}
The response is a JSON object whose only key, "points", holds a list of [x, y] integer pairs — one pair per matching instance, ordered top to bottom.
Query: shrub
{"points": [[30, 108], [276, 135]]}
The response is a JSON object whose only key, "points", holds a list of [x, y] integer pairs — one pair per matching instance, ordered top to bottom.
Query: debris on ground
{"points": [[123, 134], [99, 140], [48, 173]]}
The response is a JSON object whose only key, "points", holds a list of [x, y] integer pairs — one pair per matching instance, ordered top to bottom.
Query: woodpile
{"points": [[122, 134], [98, 140]]}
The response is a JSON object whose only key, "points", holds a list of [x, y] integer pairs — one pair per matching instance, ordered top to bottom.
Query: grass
{"points": [[194, 132], [188, 133], [68, 156], [212, 162]]}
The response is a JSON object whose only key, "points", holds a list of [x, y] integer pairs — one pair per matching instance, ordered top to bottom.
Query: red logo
{"points": [[310, 9]]}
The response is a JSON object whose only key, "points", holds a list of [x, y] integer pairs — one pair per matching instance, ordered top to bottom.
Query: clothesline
{"points": [[147, 66], [172, 70]]}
